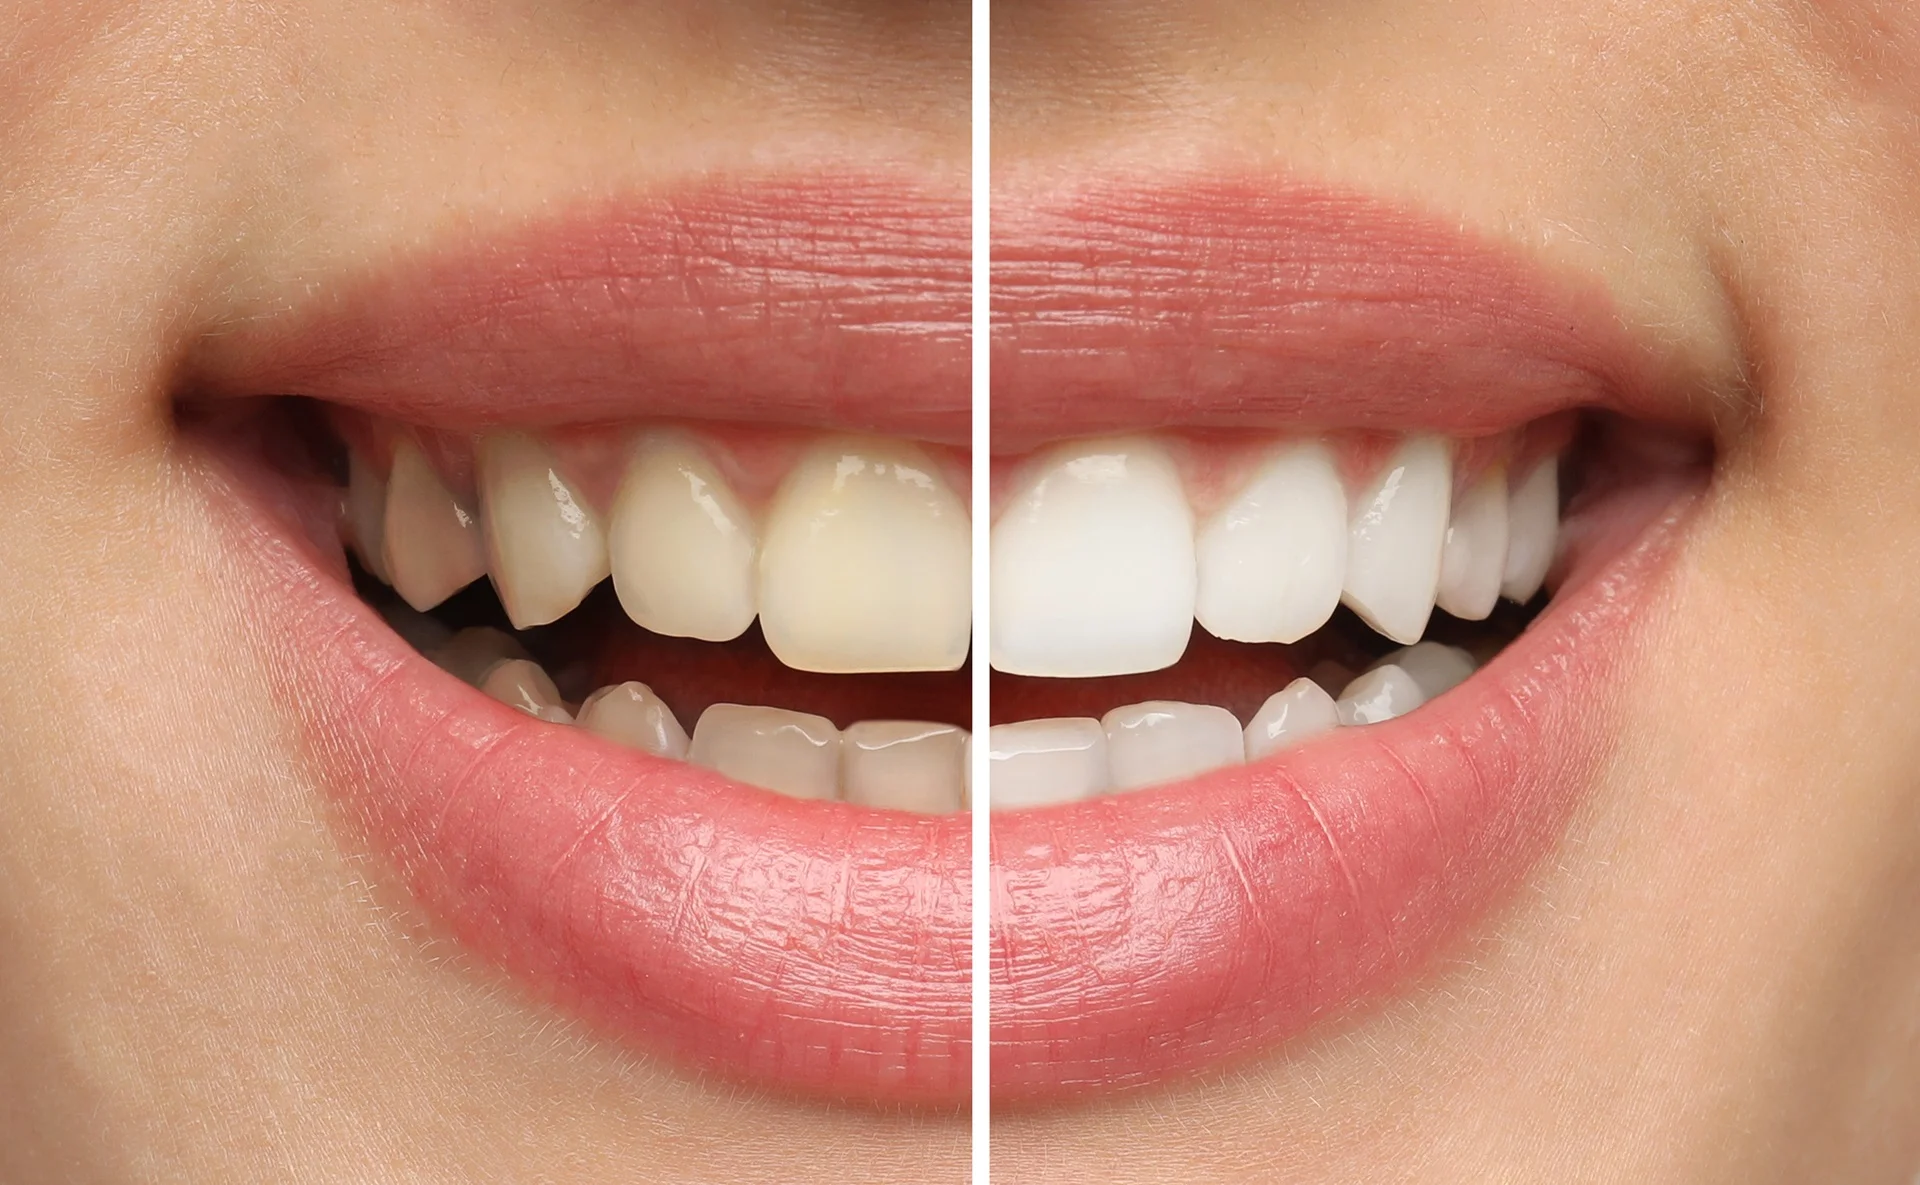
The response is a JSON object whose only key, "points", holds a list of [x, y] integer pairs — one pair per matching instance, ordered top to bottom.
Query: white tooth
{"points": [[366, 513], [1398, 529], [1534, 530], [432, 543], [681, 544], [545, 548], [1475, 555], [1272, 562], [865, 563], [1093, 565], [473, 652], [1435, 668], [520, 684], [1379, 695], [1301, 710], [633, 715], [1161, 741], [788, 753], [1042, 762], [904, 765]]}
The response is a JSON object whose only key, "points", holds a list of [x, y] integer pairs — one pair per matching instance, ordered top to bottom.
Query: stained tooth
{"points": [[366, 513], [1398, 529], [1533, 531], [431, 541], [682, 546], [545, 548], [1474, 557], [1272, 562], [865, 563], [1093, 565], [473, 652], [1436, 669], [521, 684], [1379, 695], [1301, 710], [632, 714], [1161, 741], [788, 753], [1042, 762], [903, 765]]}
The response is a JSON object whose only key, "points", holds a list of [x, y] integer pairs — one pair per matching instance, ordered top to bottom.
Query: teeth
{"points": [[366, 513], [1398, 530], [1533, 531], [431, 542], [681, 545], [544, 548], [1474, 558], [1271, 563], [865, 564], [1093, 566], [416, 629], [471, 653], [1434, 668], [521, 684], [1378, 696], [1302, 710], [632, 714], [1161, 741], [788, 753], [1042, 762], [904, 766]]}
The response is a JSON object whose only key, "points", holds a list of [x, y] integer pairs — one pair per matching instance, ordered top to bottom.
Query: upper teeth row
{"points": [[1099, 567]]}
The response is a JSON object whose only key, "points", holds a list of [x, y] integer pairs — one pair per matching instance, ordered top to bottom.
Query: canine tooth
{"points": [[366, 513], [1398, 529], [1533, 531], [431, 541], [682, 547], [545, 548], [1474, 558], [1272, 562], [864, 563], [1093, 565], [473, 652], [1435, 668], [521, 684], [1379, 695], [1298, 711], [632, 714], [1162, 741], [789, 753], [1042, 762], [904, 765]]}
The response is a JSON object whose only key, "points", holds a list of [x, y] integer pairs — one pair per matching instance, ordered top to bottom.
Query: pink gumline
{"points": [[1154, 934]]}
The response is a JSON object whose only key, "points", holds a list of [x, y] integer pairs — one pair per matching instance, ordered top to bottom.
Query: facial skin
{"points": [[1716, 976], [206, 979]]}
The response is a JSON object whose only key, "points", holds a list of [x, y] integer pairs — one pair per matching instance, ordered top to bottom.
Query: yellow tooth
{"points": [[432, 541], [682, 545], [545, 548]]}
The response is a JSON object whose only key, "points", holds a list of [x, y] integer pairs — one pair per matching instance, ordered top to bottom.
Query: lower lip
{"points": [[1157, 933]]}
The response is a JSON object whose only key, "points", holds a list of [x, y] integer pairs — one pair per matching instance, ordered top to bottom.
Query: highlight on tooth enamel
{"points": [[366, 513], [1399, 528], [1533, 531], [431, 540], [681, 545], [545, 548], [1474, 560], [864, 563], [1271, 563], [1093, 565], [1435, 668], [521, 684], [1381, 694], [1299, 712], [633, 715], [1163, 741], [790, 753], [1043, 762], [904, 765]]}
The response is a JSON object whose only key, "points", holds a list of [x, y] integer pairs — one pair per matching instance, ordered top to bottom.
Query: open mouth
{"points": [[1321, 533]]}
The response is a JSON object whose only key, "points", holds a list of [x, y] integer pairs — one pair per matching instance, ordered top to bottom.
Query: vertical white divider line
{"points": [[982, 506]]}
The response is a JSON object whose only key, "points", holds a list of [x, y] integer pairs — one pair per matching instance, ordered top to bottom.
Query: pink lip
{"points": [[1165, 931], [812, 947]]}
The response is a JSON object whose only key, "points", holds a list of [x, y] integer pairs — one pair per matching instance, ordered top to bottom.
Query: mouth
{"points": [[1322, 537], [664, 714]]}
